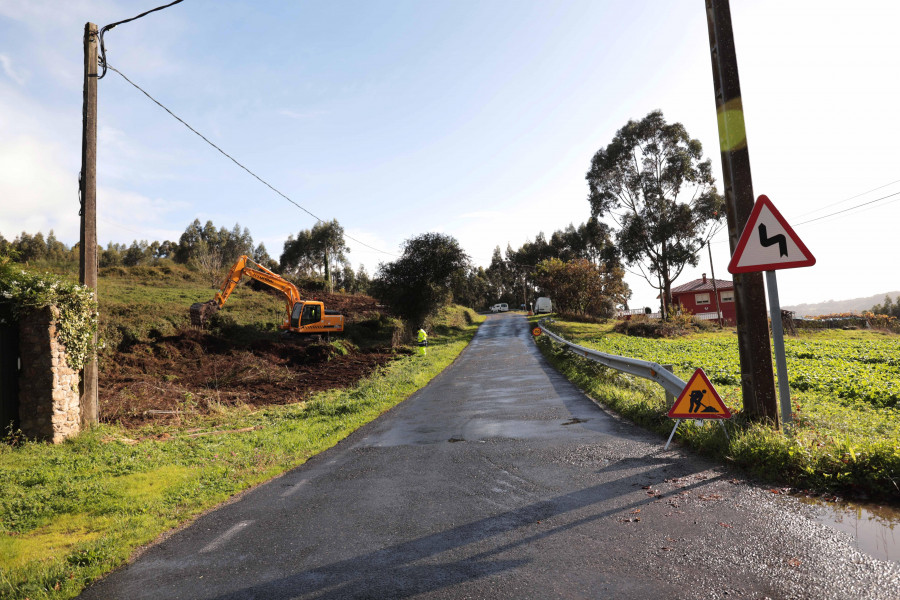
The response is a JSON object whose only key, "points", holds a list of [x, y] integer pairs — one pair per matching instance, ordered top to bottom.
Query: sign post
{"points": [[768, 243], [784, 390]]}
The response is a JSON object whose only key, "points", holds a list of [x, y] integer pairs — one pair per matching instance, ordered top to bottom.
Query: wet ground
{"points": [[501, 480], [875, 529]]}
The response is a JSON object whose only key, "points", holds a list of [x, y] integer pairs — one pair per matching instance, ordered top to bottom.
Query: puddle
{"points": [[574, 421], [454, 440], [875, 528]]}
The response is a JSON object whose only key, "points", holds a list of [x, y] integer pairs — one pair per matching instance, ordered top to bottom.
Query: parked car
{"points": [[543, 305], [501, 307], [495, 308]]}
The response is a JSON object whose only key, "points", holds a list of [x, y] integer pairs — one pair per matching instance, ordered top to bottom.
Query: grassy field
{"points": [[845, 394], [72, 512]]}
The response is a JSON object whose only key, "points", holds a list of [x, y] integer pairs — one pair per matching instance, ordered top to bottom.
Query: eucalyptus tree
{"points": [[654, 184], [323, 246]]}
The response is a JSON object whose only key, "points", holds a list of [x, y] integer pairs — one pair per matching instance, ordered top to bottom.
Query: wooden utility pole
{"points": [[88, 192], [757, 380]]}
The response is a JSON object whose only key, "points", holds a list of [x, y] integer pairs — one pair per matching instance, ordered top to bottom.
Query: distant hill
{"points": [[840, 306]]}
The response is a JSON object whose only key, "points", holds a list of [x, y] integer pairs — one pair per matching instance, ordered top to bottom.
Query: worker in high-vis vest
{"points": [[423, 341]]}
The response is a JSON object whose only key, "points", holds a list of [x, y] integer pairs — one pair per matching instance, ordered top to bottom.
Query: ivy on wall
{"points": [[21, 291]]}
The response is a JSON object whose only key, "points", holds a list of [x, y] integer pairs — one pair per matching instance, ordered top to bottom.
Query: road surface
{"points": [[501, 480]]}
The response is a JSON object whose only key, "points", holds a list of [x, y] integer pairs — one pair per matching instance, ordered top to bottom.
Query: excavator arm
{"points": [[260, 273], [201, 311]]}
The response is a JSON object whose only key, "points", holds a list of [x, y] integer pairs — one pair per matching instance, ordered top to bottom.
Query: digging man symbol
{"points": [[696, 401]]}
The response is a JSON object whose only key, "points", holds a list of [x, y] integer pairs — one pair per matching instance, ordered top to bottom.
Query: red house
{"points": [[698, 297]]}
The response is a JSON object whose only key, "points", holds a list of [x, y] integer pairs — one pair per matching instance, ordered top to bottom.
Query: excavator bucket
{"points": [[202, 311]]}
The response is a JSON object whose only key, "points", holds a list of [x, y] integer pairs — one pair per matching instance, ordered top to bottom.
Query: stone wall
{"points": [[49, 399]]}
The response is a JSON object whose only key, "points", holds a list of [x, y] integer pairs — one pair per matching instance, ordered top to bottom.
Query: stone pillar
{"points": [[49, 402]]}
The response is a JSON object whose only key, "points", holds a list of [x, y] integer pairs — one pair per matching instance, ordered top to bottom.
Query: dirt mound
{"points": [[354, 307], [194, 372]]}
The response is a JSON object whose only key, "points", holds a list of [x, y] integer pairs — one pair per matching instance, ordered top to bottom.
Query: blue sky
{"points": [[476, 119]]}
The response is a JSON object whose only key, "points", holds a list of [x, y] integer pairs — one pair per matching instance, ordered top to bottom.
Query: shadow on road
{"points": [[392, 573]]}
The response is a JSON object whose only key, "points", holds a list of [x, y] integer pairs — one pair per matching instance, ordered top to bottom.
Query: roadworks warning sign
{"points": [[699, 400]]}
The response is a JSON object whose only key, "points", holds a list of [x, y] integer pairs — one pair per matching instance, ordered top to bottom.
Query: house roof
{"points": [[703, 285]]}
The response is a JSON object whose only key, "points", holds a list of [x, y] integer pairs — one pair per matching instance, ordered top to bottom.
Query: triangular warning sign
{"points": [[768, 243], [699, 400]]}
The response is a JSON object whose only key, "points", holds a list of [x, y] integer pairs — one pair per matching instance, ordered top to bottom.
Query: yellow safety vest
{"points": [[423, 337]]}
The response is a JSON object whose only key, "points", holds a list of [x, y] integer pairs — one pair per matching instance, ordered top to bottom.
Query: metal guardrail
{"points": [[633, 366]]}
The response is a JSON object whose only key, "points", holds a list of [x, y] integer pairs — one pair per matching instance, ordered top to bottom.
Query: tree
{"points": [[652, 182], [188, 242], [234, 244], [323, 247], [31, 248], [166, 249], [56, 250], [135, 254], [112, 256], [261, 256], [210, 263], [501, 278], [345, 279], [362, 282], [417, 284], [582, 288], [889, 307]]}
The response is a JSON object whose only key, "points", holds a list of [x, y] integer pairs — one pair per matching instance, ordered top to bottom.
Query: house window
{"points": [[728, 296], [701, 299]]}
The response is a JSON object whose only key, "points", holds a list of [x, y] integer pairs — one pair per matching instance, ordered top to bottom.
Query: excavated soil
{"points": [[195, 372]]}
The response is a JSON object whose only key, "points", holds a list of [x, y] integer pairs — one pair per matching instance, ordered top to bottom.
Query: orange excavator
{"points": [[305, 317]]}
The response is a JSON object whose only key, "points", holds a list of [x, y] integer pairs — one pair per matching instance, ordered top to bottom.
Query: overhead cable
{"points": [[106, 28], [235, 161], [848, 199], [849, 209]]}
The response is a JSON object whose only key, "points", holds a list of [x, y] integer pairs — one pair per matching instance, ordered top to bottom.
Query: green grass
{"points": [[144, 302], [844, 395], [72, 512]]}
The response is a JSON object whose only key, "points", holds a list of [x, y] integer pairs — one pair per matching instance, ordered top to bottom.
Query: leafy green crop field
{"points": [[848, 366], [845, 396]]}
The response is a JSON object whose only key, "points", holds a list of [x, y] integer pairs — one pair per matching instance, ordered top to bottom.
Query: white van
{"points": [[543, 305], [502, 307]]}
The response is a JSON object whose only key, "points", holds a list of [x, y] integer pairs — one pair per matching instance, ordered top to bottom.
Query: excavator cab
{"points": [[305, 313]]}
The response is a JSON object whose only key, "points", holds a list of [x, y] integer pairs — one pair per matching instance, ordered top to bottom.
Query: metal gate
{"points": [[9, 375]]}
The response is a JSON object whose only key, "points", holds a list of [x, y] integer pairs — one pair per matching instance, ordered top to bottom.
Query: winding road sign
{"points": [[768, 243]]}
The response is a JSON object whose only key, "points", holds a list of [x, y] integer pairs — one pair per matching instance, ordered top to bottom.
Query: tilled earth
{"points": [[194, 372]]}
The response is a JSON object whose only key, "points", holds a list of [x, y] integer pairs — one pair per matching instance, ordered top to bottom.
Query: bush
{"points": [[78, 316], [678, 326]]}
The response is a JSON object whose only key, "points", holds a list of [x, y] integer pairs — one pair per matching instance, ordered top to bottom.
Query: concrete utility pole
{"points": [[88, 192], [757, 380]]}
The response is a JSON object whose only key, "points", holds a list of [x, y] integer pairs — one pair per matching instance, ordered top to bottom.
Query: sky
{"points": [[476, 119]]}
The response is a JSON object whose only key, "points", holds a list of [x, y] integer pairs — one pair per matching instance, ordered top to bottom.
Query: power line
{"points": [[106, 28], [235, 161], [847, 199], [849, 209]]}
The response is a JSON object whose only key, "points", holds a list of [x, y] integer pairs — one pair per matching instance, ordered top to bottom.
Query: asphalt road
{"points": [[502, 480]]}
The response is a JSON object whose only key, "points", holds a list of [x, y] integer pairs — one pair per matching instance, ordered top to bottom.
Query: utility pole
{"points": [[88, 193], [757, 380]]}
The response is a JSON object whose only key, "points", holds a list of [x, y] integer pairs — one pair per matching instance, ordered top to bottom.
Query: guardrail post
{"points": [[670, 398]]}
